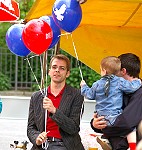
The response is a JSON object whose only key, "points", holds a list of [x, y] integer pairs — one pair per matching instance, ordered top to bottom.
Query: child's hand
{"points": [[82, 83]]}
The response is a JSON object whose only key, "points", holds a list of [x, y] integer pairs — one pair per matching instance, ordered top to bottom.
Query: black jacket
{"points": [[67, 117]]}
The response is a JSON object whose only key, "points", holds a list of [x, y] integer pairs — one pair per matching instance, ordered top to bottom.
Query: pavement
{"points": [[13, 122], [13, 130]]}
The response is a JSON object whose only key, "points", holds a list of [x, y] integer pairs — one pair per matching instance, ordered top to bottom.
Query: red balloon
{"points": [[37, 36]]}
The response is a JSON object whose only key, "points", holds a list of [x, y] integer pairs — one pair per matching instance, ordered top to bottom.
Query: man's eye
{"points": [[54, 67], [62, 68]]}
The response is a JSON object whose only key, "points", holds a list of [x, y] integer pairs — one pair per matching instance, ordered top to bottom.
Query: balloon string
{"points": [[64, 34], [75, 53], [33, 56], [77, 58], [41, 64], [34, 75], [46, 75], [82, 109], [46, 112], [46, 144]]}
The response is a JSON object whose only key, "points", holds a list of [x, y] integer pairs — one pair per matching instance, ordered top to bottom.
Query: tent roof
{"points": [[108, 27]]}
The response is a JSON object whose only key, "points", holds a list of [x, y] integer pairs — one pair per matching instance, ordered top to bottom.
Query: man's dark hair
{"points": [[131, 63]]}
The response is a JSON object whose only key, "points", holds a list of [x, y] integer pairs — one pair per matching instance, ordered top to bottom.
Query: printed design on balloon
{"points": [[59, 12], [67, 14], [56, 30], [49, 35]]}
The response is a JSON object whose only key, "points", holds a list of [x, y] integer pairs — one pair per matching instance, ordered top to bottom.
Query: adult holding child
{"points": [[108, 91], [132, 113]]}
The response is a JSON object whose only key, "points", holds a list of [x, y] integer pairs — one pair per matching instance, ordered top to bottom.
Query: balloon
{"points": [[67, 14], [55, 29], [37, 36], [14, 40]]}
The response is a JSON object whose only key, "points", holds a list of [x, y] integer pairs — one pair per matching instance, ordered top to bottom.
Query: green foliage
{"points": [[25, 6], [3, 29], [89, 76], [74, 79], [4, 82], [35, 86]]}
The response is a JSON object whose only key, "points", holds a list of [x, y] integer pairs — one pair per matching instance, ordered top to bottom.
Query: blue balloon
{"points": [[67, 14], [55, 29], [14, 40]]}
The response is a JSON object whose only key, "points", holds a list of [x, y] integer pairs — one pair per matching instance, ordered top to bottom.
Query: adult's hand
{"points": [[81, 1], [47, 104], [99, 122], [42, 137]]}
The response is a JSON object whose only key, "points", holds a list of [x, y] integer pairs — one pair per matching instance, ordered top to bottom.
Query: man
{"points": [[63, 104], [132, 113]]}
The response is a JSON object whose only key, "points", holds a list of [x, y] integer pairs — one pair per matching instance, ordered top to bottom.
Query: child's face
{"points": [[103, 71]]}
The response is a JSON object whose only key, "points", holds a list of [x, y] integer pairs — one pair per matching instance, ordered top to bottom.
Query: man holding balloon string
{"points": [[54, 118], [60, 129]]}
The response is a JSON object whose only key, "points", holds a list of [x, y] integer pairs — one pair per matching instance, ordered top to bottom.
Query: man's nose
{"points": [[57, 69]]}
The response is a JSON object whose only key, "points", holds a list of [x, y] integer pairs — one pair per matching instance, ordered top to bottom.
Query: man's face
{"points": [[58, 71]]}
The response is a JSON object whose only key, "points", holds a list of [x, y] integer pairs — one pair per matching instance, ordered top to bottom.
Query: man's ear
{"points": [[123, 71], [49, 72], [68, 74]]}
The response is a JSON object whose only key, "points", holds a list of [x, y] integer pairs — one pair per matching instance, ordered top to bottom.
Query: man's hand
{"points": [[81, 1], [47, 104], [98, 122], [42, 137]]}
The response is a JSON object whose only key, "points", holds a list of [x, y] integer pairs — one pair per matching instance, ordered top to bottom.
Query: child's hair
{"points": [[111, 64]]}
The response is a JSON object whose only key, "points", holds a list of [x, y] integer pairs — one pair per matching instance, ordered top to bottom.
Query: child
{"points": [[108, 91]]}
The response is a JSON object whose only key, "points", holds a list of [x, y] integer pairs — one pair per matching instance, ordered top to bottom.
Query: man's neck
{"points": [[127, 77], [56, 88]]}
